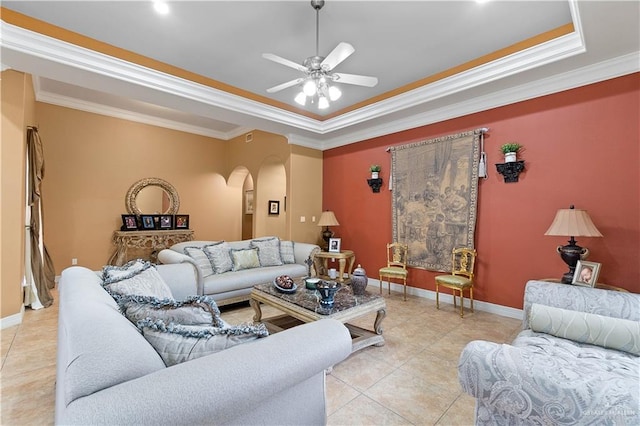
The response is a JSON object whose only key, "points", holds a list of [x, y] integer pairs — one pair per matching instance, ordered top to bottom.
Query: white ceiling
{"points": [[399, 42]]}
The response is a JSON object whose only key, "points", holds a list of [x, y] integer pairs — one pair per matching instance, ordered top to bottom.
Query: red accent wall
{"points": [[582, 147]]}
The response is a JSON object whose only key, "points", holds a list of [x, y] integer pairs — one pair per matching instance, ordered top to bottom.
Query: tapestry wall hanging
{"points": [[435, 191]]}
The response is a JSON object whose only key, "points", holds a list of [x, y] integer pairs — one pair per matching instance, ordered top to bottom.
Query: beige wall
{"points": [[17, 113], [92, 160]]}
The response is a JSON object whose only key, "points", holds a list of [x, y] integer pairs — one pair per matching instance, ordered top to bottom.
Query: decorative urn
{"points": [[359, 281], [327, 290]]}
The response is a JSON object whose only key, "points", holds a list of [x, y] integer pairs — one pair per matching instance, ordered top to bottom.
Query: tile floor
{"points": [[412, 380]]}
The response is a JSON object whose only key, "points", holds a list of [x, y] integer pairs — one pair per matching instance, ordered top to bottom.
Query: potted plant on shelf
{"points": [[510, 150], [375, 171]]}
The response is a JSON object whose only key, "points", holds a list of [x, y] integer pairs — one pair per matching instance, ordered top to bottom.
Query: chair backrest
{"points": [[397, 255], [463, 261]]}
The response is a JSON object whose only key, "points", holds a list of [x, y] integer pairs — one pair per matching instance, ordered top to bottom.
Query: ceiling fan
{"points": [[318, 71]]}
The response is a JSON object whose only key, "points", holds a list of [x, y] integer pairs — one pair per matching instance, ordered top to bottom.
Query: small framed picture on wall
{"points": [[274, 207], [182, 221], [334, 245], [586, 273]]}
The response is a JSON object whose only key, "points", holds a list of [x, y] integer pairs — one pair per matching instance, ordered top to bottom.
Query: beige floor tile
{"points": [[7, 336], [361, 370], [338, 394], [364, 411], [461, 412]]}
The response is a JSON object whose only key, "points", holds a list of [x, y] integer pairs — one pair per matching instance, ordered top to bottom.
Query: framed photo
{"points": [[248, 202], [274, 207], [148, 221], [166, 221], [182, 221], [129, 222], [334, 245], [586, 273]]}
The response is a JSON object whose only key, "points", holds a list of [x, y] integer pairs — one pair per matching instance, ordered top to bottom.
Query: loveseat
{"points": [[227, 270], [576, 361], [107, 372]]}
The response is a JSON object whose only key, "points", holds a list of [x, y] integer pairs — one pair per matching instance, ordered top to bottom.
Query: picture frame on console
{"points": [[147, 221], [166, 221], [181, 221], [129, 222], [334, 245], [586, 274]]}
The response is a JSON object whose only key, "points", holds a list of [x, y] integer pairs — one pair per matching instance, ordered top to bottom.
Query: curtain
{"points": [[42, 273]]}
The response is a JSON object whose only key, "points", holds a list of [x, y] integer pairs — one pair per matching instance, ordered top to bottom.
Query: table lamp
{"points": [[327, 219], [572, 223]]}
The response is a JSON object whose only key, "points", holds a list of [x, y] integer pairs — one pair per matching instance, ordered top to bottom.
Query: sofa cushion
{"points": [[268, 251], [286, 252], [220, 257], [201, 258], [245, 259], [247, 278], [143, 282], [195, 310], [600, 330], [178, 343]]}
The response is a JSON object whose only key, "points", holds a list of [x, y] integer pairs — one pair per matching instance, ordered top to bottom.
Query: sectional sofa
{"points": [[227, 270], [108, 373]]}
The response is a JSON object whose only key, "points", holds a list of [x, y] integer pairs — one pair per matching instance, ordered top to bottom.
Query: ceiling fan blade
{"points": [[337, 55], [285, 62], [359, 80], [286, 85]]}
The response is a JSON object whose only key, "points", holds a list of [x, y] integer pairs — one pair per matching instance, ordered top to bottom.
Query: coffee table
{"points": [[304, 306]]}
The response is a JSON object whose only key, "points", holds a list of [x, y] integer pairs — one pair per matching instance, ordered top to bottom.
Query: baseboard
{"points": [[504, 311], [11, 320]]}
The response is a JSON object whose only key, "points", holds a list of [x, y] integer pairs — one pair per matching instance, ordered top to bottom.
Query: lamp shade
{"points": [[327, 218], [573, 223]]}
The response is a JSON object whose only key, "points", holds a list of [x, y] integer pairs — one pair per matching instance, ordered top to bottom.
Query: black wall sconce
{"points": [[511, 170], [375, 184]]}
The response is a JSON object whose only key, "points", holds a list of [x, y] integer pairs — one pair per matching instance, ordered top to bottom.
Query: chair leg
{"points": [[380, 284], [405, 289], [455, 296], [437, 297], [471, 297], [461, 303]]}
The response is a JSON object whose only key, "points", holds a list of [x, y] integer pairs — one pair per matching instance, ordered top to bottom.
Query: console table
{"points": [[145, 244], [342, 258]]}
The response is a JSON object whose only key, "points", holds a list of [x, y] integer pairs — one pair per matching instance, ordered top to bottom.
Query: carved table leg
{"points": [[256, 308], [377, 325]]}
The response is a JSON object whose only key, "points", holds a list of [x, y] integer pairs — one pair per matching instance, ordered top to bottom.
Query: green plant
{"points": [[510, 147], [375, 168]]}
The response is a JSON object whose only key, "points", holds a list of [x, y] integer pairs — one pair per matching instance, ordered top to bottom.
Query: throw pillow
{"points": [[268, 251], [286, 252], [220, 257], [245, 259], [202, 260], [112, 274], [145, 283], [195, 310], [599, 330], [179, 343]]}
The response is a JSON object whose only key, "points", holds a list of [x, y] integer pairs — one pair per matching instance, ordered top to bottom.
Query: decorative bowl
{"points": [[310, 283], [285, 290]]}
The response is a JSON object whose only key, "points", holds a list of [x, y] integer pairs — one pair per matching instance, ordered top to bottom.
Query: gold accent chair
{"points": [[396, 265], [461, 278]]}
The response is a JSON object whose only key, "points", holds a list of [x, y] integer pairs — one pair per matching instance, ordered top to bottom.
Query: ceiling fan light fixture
{"points": [[310, 88], [334, 93], [301, 99], [323, 103]]}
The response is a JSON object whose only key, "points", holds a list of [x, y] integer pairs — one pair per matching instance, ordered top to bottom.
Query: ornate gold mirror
{"points": [[152, 196]]}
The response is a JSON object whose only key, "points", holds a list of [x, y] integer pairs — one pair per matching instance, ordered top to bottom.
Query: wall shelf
{"points": [[511, 170], [375, 184]]}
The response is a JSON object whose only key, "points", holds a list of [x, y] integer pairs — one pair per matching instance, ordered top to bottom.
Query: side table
{"points": [[145, 244], [342, 257], [601, 286]]}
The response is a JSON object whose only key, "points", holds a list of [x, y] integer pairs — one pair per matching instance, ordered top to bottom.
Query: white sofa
{"points": [[235, 285], [576, 361], [107, 372]]}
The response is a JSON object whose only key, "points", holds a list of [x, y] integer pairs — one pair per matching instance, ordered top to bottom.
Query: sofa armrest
{"points": [[168, 257], [182, 279], [583, 299], [223, 386]]}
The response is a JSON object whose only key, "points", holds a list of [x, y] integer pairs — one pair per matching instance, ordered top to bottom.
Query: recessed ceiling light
{"points": [[161, 7]]}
